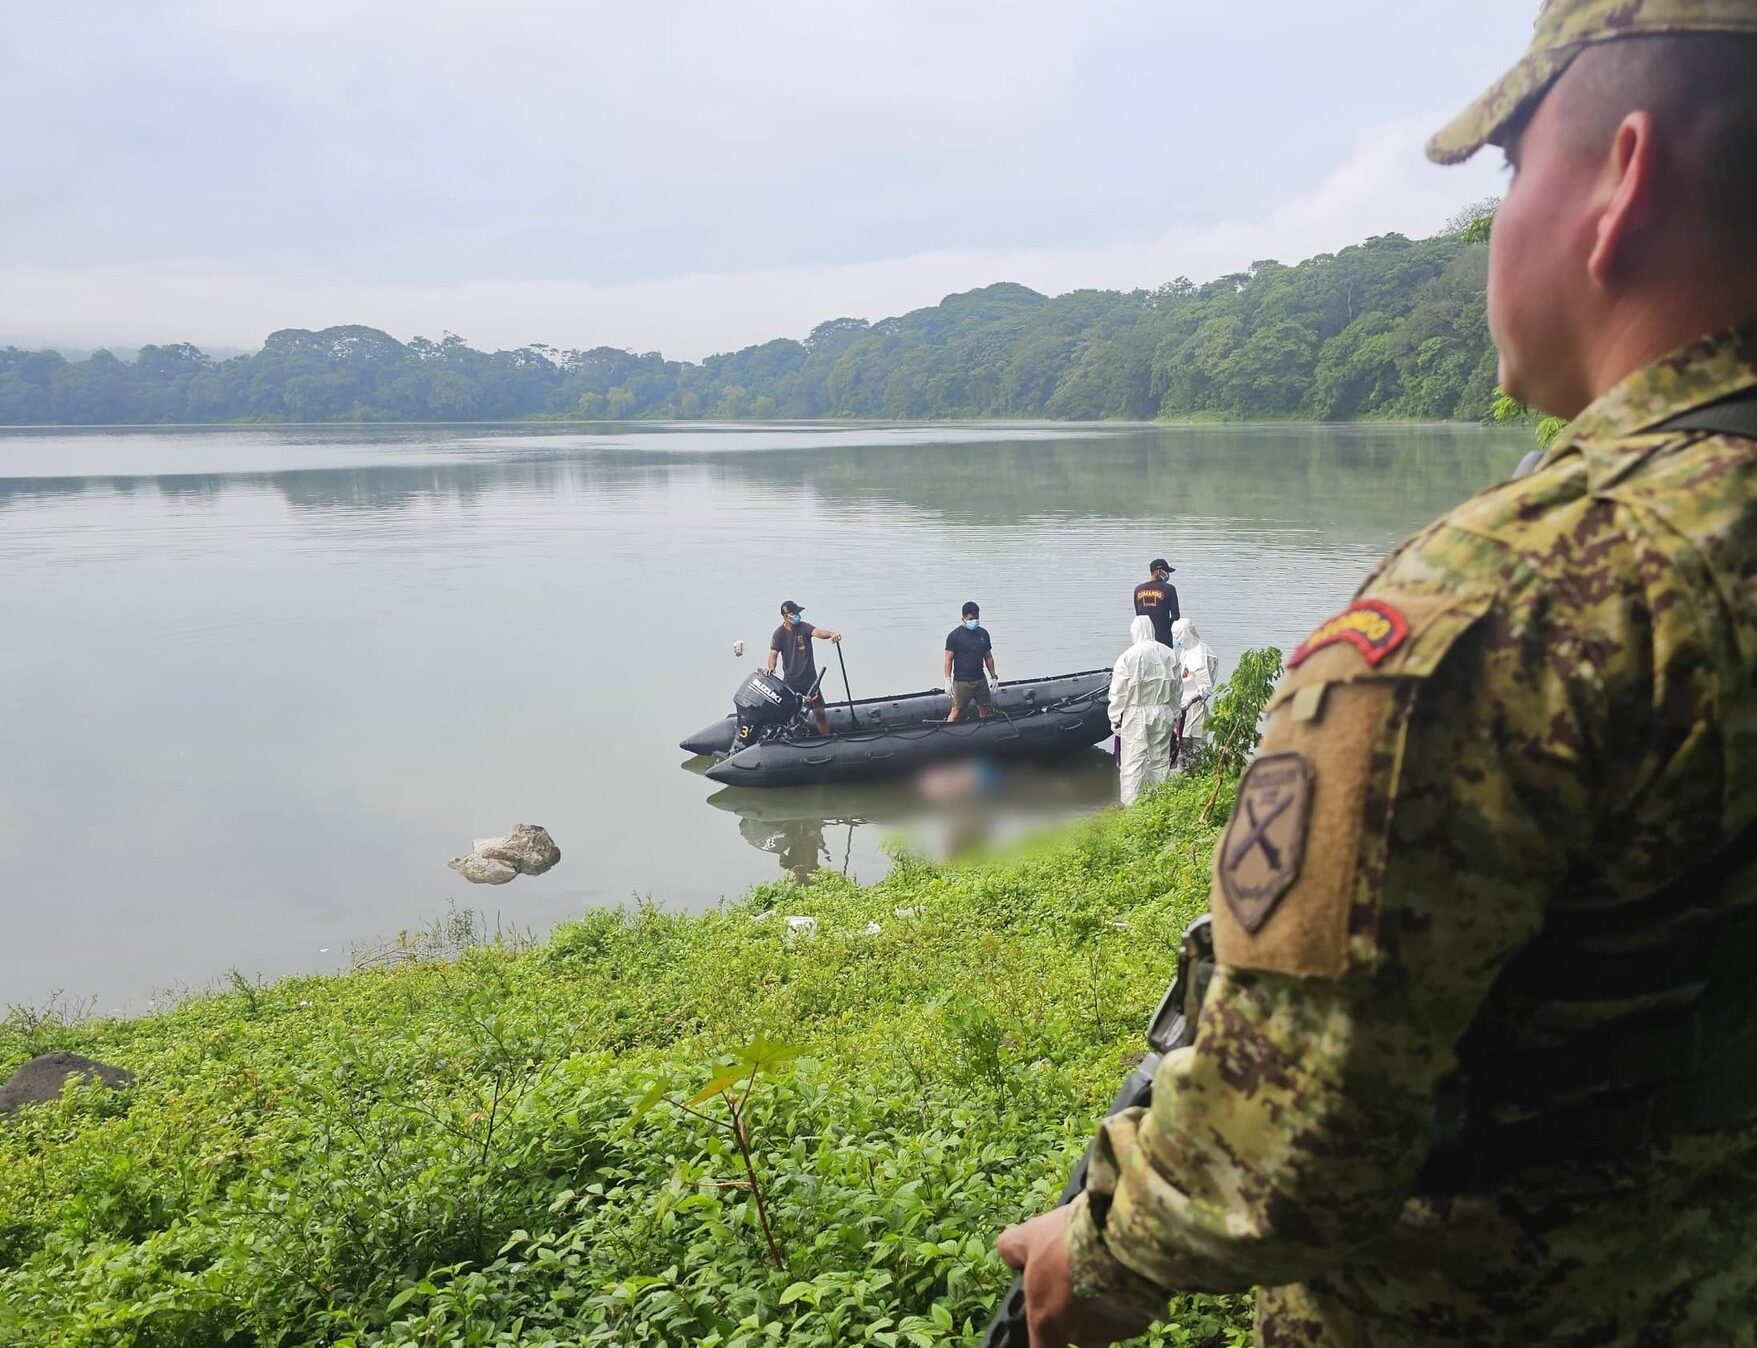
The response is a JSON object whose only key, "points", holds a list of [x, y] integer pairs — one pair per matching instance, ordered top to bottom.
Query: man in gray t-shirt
{"points": [[791, 644]]}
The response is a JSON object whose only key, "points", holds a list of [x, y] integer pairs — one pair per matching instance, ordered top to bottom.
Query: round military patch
{"points": [[1266, 839]]}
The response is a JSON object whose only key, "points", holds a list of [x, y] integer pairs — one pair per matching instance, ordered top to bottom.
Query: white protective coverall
{"points": [[1197, 668], [1143, 708]]}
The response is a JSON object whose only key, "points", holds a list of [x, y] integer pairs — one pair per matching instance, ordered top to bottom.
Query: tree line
{"points": [[1392, 327]]}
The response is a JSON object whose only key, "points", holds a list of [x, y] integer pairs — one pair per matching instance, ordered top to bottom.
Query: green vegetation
{"points": [[1388, 328], [1510, 409], [652, 1129]]}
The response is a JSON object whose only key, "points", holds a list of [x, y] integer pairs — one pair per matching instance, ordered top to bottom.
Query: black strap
{"points": [[1736, 415], [1687, 1070], [1605, 1128]]}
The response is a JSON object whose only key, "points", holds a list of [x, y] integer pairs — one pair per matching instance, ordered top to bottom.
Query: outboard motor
{"points": [[765, 708]]}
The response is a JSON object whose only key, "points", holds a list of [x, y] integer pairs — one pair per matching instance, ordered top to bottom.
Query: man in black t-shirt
{"points": [[1157, 599], [791, 644], [968, 650]]}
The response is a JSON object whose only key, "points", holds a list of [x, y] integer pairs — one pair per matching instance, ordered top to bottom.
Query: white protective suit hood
{"points": [[1198, 666], [1145, 675]]}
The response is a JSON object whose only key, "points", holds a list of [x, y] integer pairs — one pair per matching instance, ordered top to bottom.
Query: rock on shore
{"points": [[40, 1080]]}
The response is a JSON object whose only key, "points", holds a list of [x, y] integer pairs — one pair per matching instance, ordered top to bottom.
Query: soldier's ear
{"points": [[1625, 198]]}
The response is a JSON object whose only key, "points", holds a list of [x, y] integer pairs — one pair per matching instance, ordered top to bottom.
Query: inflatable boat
{"points": [[1014, 698], [770, 740]]}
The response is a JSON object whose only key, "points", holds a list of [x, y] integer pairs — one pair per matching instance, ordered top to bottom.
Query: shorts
{"points": [[966, 691]]}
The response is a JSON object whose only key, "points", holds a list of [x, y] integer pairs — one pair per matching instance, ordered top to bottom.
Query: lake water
{"points": [[257, 686]]}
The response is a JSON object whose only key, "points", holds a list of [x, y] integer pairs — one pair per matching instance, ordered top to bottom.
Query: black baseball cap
{"points": [[1159, 564], [788, 606]]}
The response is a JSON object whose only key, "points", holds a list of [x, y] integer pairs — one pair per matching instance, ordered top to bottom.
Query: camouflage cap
{"points": [[1565, 28]]}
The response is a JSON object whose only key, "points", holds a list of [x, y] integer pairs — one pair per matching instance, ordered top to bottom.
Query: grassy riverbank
{"points": [[449, 1151]]}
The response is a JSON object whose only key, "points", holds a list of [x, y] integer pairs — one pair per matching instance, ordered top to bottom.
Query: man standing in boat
{"points": [[1156, 598], [791, 643], [968, 651]]}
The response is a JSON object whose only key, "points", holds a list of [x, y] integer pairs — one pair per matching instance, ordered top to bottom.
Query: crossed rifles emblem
{"points": [[1259, 834], [1260, 856]]}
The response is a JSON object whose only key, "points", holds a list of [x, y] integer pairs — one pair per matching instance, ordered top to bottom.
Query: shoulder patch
{"points": [[1372, 626], [1322, 789], [1266, 839]]}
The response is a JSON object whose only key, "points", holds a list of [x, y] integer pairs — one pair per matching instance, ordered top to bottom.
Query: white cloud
{"points": [[1383, 187]]}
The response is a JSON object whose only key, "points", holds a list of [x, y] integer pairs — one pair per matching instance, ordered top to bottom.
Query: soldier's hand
{"points": [[1038, 1249]]}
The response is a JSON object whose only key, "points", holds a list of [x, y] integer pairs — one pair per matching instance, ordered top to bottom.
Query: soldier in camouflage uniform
{"points": [[1479, 1061]]}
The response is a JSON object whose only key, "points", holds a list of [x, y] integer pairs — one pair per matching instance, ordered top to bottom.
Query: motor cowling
{"points": [[764, 706]]}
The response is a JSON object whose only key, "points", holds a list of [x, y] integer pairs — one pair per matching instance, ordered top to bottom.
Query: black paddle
{"points": [[845, 688]]}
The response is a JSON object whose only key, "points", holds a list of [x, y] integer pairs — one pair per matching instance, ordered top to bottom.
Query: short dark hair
{"points": [[1700, 90], [972, 609]]}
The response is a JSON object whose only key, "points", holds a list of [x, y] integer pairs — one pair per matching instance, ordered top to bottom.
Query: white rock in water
{"points": [[527, 849], [479, 870]]}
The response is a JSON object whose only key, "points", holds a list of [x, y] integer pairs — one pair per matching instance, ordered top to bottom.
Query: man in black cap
{"points": [[1157, 599], [791, 643]]}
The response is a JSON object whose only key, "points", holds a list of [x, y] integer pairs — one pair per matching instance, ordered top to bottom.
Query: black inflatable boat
{"points": [[769, 741]]}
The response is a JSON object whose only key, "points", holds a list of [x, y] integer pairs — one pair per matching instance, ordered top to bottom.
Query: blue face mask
{"points": [[794, 617], [970, 623]]}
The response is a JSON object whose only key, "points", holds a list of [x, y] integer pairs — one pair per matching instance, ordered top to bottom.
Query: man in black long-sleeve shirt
{"points": [[1157, 598]]}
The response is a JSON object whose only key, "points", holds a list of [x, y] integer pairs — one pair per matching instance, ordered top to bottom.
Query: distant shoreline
{"points": [[752, 423]]}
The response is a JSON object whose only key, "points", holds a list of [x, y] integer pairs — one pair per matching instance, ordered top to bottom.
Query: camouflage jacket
{"points": [[1453, 869]]}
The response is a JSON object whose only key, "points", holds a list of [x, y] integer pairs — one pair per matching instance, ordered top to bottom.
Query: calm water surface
{"points": [[257, 686]]}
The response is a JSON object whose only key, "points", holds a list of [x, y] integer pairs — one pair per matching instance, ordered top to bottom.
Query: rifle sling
{"points": [[1735, 415]]}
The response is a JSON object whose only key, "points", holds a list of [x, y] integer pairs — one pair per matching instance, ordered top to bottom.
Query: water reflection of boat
{"points": [[1086, 779], [965, 804], [799, 843]]}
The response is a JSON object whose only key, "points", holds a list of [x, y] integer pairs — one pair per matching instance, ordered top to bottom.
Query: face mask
{"points": [[794, 617], [970, 623]]}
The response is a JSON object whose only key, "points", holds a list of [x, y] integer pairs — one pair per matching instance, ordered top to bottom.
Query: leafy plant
{"points": [[1510, 409], [1235, 719], [734, 1084]]}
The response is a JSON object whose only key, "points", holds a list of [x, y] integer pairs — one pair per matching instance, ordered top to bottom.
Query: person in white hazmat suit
{"points": [[1197, 668], [1144, 692]]}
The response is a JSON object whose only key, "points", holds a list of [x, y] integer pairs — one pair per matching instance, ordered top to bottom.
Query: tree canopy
{"points": [[1391, 327]]}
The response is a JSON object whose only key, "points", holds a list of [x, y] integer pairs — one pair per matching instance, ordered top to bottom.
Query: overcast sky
{"points": [[689, 177]]}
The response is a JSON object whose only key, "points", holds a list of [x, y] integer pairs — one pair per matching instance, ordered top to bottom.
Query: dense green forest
{"points": [[1389, 328]]}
